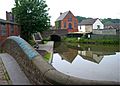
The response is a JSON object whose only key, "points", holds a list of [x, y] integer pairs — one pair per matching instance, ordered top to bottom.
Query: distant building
{"points": [[67, 21], [88, 25], [113, 26], [8, 27]]}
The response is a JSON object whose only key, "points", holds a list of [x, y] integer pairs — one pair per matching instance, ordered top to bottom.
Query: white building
{"points": [[88, 25]]}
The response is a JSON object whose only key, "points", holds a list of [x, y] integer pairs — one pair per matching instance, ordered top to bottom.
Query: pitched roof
{"points": [[62, 16], [2, 20], [5, 21], [88, 22], [112, 26]]}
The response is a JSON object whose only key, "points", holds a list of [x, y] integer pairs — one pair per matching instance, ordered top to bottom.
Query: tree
{"points": [[32, 15], [80, 18], [110, 21]]}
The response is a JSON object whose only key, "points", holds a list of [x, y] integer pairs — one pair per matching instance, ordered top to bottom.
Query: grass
{"points": [[70, 39], [92, 41], [99, 41], [47, 56]]}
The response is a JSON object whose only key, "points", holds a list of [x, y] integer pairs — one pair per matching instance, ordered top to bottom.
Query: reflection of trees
{"points": [[101, 48], [94, 53]]}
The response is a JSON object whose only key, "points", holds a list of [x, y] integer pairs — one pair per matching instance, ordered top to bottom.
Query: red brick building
{"points": [[67, 21], [8, 27]]}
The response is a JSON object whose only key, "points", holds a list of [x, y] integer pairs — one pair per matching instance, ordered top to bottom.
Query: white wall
{"points": [[98, 22], [82, 28]]}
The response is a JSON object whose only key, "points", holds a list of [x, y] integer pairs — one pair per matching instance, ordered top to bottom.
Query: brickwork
{"points": [[74, 19], [67, 21], [59, 32]]}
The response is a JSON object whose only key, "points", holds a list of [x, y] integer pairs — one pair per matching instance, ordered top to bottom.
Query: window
{"points": [[70, 19], [64, 24], [75, 24], [70, 26], [98, 26], [80, 27], [11, 29], [3, 30]]}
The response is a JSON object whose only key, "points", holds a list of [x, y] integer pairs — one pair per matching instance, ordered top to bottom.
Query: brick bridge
{"points": [[58, 32], [55, 35]]}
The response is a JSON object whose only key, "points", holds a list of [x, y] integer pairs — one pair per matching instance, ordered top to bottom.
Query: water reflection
{"points": [[65, 52], [93, 53], [89, 55], [94, 62]]}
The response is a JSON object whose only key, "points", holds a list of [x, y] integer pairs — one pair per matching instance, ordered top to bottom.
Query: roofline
{"points": [[66, 15], [7, 22], [89, 24]]}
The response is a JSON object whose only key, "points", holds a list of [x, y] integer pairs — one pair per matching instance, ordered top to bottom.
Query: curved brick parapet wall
{"points": [[36, 69]]}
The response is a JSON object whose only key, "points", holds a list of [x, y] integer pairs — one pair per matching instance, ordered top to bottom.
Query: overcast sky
{"points": [[85, 8]]}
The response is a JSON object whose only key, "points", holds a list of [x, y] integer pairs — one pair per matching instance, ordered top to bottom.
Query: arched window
{"points": [[70, 18], [70, 26]]}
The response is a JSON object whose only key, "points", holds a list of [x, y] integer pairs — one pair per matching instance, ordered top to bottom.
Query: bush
{"points": [[70, 39], [31, 42]]}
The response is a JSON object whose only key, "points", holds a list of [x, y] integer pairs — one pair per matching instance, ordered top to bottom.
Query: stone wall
{"points": [[105, 31], [59, 32], [103, 37], [38, 71]]}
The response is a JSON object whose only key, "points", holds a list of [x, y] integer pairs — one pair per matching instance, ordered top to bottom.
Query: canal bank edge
{"points": [[40, 72]]}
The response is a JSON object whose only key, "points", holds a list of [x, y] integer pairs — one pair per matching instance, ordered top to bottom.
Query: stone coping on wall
{"points": [[31, 53], [47, 72]]}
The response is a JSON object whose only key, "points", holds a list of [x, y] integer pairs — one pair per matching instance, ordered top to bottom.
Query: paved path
{"points": [[47, 47], [16, 75]]}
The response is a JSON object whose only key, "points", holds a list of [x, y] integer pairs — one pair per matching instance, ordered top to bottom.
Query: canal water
{"points": [[93, 62]]}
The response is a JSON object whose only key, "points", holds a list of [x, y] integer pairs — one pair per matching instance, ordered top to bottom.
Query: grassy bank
{"points": [[92, 41], [47, 56]]}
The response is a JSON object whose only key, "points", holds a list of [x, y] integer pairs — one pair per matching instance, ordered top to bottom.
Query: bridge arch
{"points": [[55, 37], [38, 71]]}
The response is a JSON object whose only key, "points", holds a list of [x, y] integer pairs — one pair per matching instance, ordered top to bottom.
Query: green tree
{"points": [[32, 15], [80, 18], [110, 21]]}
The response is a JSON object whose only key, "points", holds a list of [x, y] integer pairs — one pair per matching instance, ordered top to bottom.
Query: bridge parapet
{"points": [[59, 32], [36, 69]]}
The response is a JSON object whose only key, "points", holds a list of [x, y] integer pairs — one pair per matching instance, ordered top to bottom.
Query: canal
{"points": [[93, 62]]}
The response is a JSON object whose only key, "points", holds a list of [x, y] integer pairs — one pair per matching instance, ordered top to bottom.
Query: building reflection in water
{"points": [[65, 52], [91, 53]]}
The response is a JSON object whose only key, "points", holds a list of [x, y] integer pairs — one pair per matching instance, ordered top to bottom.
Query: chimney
{"points": [[60, 13], [9, 16]]}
